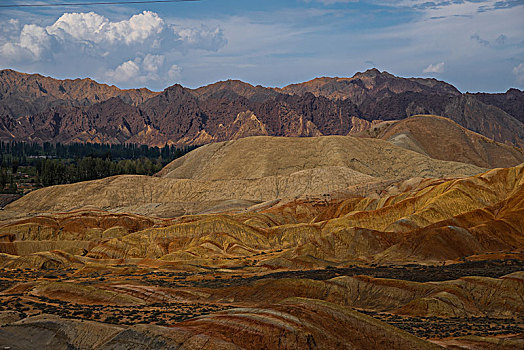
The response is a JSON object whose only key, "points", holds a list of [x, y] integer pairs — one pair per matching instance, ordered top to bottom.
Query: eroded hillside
{"points": [[261, 242]]}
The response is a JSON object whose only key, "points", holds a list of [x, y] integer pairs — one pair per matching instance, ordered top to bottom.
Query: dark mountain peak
{"points": [[5, 72], [373, 73], [236, 82], [175, 87], [230, 89], [21, 90], [176, 91], [511, 102], [114, 103]]}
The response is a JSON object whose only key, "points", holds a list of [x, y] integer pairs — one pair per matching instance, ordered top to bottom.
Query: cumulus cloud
{"points": [[98, 29], [33, 43], [133, 50], [152, 63], [434, 68], [144, 71], [125, 72], [174, 72], [519, 72]]}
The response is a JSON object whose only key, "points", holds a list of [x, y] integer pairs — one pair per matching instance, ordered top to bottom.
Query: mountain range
{"points": [[41, 109]]}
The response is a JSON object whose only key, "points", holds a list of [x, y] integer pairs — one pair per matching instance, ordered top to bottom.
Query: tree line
{"points": [[22, 149], [53, 164], [56, 171]]}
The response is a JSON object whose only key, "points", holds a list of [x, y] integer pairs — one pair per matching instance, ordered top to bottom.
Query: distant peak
{"points": [[374, 72], [233, 82], [175, 87], [513, 91]]}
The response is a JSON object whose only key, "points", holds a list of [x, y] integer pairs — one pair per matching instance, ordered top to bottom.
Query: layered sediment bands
{"points": [[442, 138], [441, 201], [414, 220], [437, 221], [75, 225], [74, 232], [201, 239], [45, 260], [78, 293], [464, 297], [304, 323], [292, 324], [484, 343]]}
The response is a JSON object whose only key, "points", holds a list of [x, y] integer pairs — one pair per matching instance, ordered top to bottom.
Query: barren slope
{"points": [[41, 109], [442, 138], [258, 157], [255, 169], [414, 220]]}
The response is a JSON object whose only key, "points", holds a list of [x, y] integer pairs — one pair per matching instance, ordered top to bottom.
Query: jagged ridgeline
{"points": [[41, 109]]}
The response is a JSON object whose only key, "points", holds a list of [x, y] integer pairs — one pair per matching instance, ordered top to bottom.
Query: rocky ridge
{"points": [[41, 109]]}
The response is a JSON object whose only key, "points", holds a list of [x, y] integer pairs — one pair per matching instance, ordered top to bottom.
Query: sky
{"points": [[475, 45]]}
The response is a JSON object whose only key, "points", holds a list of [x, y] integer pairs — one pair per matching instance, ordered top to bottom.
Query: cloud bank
{"points": [[133, 51]]}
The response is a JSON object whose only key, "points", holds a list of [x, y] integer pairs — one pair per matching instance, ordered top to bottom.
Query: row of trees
{"points": [[24, 150], [53, 164], [55, 171], [7, 182]]}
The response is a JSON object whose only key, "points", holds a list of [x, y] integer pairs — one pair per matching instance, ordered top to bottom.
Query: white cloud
{"points": [[98, 29], [203, 38], [35, 39], [32, 43], [276, 45], [132, 51], [152, 63], [434, 68], [143, 71], [125, 72], [174, 72], [519, 72]]}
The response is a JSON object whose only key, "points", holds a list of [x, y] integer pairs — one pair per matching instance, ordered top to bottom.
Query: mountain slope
{"points": [[23, 94], [511, 102], [441, 138], [258, 157], [296, 323]]}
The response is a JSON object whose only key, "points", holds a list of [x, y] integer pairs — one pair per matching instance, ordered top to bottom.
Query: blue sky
{"points": [[475, 45]]}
